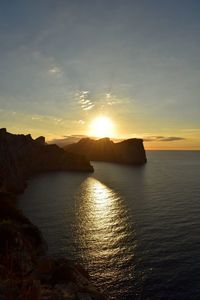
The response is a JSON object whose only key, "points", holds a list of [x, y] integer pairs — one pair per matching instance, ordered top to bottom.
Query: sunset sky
{"points": [[136, 62]]}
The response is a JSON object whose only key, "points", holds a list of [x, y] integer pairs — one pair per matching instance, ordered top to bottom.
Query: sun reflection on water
{"points": [[103, 230]]}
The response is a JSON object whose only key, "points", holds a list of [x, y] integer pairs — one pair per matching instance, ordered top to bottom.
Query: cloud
{"points": [[55, 71], [108, 95], [112, 99], [84, 100], [88, 107], [35, 118], [80, 122], [190, 129], [159, 138], [173, 138], [66, 140]]}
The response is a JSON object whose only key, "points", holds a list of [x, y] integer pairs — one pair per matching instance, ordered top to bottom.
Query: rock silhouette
{"points": [[129, 151], [22, 156]]}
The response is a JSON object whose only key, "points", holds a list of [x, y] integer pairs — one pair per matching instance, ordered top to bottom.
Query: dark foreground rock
{"points": [[130, 151], [22, 156], [27, 272]]}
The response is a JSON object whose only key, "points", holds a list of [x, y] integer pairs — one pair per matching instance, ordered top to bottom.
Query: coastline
{"points": [[26, 269], [27, 272]]}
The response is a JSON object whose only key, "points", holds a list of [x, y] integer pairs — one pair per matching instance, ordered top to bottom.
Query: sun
{"points": [[102, 127]]}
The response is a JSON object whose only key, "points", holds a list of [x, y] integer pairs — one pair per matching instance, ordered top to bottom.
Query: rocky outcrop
{"points": [[129, 151], [22, 156], [26, 271]]}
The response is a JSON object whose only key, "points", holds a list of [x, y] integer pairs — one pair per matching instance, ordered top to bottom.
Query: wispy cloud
{"points": [[55, 71], [108, 95], [112, 99], [84, 100], [35, 118], [58, 120], [80, 122], [190, 129], [163, 138], [66, 139]]}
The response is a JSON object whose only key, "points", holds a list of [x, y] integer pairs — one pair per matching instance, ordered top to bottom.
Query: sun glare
{"points": [[101, 127]]}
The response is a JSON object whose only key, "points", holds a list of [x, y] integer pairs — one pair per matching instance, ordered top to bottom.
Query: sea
{"points": [[135, 229]]}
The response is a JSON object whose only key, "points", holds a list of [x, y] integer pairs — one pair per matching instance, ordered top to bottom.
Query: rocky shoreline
{"points": [[21, 157], [26, 270]]}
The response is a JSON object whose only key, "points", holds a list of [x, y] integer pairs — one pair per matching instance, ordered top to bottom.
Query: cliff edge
{"points": [[129, 151], [22, 156], [27, 272]]}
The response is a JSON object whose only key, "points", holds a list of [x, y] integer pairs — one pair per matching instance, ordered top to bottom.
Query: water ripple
{"points": [[135, 229]]}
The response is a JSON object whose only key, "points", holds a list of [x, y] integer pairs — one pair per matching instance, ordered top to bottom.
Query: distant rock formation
{"points": [[129, 151], [22, 156]]}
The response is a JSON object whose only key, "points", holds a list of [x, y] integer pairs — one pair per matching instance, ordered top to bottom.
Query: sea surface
{"points": [[135, 229]]}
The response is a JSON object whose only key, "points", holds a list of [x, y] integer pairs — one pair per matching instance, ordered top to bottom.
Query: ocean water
{"points": [[136, 229]]}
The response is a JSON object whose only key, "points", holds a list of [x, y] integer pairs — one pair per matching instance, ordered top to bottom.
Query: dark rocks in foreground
{"points": [[129, 151], [21, 156], [27, 272]]}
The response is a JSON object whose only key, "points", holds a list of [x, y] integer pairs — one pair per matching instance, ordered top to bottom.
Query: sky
{"points": [[137, 62]]}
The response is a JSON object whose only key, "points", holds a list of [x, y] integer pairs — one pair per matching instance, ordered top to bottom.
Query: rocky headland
{"points": [[129, 151], [21, 156], [26, 270]]}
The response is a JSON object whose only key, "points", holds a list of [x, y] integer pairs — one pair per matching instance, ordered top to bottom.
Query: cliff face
{"points": [[130, 151], [22, 156], [26, 270]]}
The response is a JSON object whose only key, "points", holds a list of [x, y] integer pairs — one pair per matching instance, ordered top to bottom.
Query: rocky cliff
{"points": [[129, 151], [22, 156], [26, 270]]}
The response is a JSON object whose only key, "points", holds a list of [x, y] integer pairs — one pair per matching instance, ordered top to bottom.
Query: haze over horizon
{"points": [[64, 63]]}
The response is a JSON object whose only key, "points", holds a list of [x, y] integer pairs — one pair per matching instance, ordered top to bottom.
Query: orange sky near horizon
{"points": [[52, 129]]}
